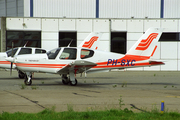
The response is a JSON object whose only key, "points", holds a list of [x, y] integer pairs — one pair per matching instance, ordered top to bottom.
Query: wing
{"points": [[79, 66]]}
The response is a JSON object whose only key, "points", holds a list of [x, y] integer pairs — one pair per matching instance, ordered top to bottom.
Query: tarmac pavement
{"points": [[100, 91]]}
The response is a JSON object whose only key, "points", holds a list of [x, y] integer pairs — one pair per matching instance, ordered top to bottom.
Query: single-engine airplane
{"points": [[91, 41], [13, 53], [73, 60]]}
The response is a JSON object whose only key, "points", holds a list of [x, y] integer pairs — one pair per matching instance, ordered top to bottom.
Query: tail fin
{"points": [[91, 41], [147, 43]]}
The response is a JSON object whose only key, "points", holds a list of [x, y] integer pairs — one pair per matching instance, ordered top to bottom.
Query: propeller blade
{"points": [[12, 50], [12, 55], [11, 68]]}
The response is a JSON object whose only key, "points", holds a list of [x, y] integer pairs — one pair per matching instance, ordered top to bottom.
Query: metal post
{"points": [[3, 34], [162, 106]]}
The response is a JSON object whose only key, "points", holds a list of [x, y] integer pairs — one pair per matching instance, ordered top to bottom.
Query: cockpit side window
{"points": [[25, 51], [40, 51], [9, 52], [53, 53], [69, 53], [86, 53]]}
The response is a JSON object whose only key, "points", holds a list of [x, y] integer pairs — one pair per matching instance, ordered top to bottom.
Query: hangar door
{"points": [[20, 38], [118, 42]]}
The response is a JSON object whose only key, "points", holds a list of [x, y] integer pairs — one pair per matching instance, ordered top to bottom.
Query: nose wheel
{"points": [[28, 78]]}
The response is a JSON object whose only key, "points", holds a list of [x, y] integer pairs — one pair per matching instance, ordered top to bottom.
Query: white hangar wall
{"points": [[50, 28]]}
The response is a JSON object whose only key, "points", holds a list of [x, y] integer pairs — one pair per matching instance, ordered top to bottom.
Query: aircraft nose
{"points": [[2, 55], [10, 59]]}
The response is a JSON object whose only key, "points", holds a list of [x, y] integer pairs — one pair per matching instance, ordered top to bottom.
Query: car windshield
{"points": [[10, 52], [53, 53]]}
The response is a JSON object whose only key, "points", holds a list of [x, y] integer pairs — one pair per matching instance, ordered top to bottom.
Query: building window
{"points": [[170, 37], [20, 38], [65, 39], [118, 42]]}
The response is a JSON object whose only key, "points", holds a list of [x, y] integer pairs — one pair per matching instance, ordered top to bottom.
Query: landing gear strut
{"points": [[28, 78], [72, 80]]}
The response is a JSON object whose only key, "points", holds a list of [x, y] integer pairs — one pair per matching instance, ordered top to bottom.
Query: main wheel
{"points": [[21, 74], [26, 81], [65, 81], [73, 83]]}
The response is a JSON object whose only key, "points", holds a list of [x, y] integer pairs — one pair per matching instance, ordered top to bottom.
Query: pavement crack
{"points": [[92, 91], [81, 94], [35, 102]]}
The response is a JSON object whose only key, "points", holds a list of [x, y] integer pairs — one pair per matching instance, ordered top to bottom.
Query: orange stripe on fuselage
{"points": [[127, 57], [5, 62], [40, 65], [120, 66]]}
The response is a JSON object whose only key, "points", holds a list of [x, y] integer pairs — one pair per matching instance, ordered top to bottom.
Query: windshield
{"points": [[9, 52], [53, 53]]}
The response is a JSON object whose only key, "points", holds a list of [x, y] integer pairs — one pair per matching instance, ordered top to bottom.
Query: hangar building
{"points": [[54, 23]]}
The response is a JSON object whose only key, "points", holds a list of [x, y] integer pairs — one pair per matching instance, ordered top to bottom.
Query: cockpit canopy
{"points": [[24, 51], [69, 53]]}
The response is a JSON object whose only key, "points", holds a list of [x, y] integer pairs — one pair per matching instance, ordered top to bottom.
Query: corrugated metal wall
{"points": [[2, 8], [12, 8], [64, 8], [91, 8], [129, 8], [171, 8]]}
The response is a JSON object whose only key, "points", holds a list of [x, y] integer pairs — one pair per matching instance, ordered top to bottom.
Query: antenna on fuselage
{"points": [[70, 43], [25, 44]]}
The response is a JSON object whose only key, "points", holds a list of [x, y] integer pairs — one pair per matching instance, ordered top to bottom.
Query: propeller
{"points": [[12, 55]]}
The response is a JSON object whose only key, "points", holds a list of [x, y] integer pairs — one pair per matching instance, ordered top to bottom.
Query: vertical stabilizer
{"points": [[91, 41], [147, 43]]}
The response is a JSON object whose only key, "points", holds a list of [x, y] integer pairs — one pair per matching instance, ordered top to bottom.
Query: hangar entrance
{"points": [[66, 37], [20, 38], [118, 42]]}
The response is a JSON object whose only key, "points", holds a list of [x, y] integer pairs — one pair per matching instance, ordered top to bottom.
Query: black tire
{"points": [[21, 75], [65, 79], [26, 81], [72, 83]]}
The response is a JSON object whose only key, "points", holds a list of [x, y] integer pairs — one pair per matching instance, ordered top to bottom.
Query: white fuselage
{"points": [[17, 51], [103, 60]]}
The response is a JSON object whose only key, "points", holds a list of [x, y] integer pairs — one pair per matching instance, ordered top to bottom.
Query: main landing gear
{"points": [[21, 74], [65, 80], [71, 80]]}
